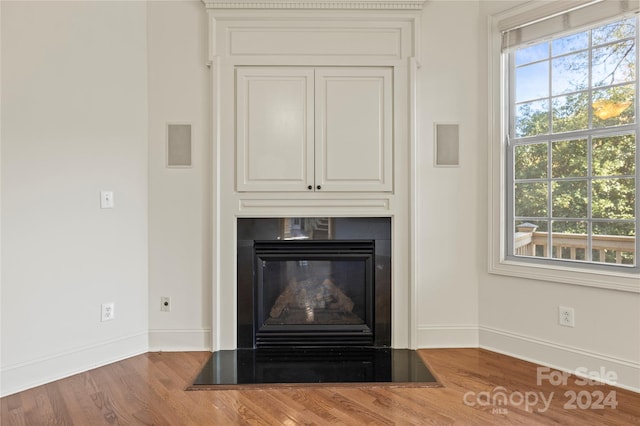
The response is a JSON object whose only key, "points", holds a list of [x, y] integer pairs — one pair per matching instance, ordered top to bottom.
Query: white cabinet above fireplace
{"points": [[314, 129]]}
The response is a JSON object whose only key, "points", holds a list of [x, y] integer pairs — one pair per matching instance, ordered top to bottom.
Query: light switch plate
{"points": [[106, 199]]}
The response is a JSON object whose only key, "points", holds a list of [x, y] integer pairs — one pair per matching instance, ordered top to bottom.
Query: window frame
{"points": [[501, 262]]}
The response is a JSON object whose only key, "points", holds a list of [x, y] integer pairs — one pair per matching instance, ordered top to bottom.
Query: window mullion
{"points": [[637, 122], [576, 134], [510, 151], [549, 155], [549, 197], [589, 251], [589, 254]]}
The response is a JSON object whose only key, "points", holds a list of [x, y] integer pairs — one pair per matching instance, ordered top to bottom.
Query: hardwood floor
{"points": [[149, 390]]}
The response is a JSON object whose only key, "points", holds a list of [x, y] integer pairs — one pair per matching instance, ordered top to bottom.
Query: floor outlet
{"points": [[165, 304], [108, 312], [566, 316]]}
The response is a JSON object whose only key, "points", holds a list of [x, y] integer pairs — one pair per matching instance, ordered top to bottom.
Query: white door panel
{"points": [[274, 129], [322, 129], [353, 129]]}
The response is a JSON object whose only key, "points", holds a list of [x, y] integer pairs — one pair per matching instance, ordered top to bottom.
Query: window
{"points": [[570, 123], [564, 131]]}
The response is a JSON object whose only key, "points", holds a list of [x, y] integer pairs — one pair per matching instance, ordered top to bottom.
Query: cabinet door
{"points": [[274, 129], [354, 134]]}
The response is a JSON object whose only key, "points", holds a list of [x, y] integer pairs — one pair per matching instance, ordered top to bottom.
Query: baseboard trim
{"points": [[447, 336], [180, 340], [559, 356], [29, 374], [26, 375]]}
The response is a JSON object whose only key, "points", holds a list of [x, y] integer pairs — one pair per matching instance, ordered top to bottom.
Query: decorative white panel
{"points": [[315, 41], [354, 132], [274, 134], [285, 206]]}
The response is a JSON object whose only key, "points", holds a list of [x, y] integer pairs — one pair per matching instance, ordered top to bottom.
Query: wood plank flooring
{"points": [[149, 390]]}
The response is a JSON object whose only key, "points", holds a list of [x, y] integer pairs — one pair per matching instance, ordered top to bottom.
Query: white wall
{"points": [[74, 122], [179, 199], [451, 203], [461, 304], [520, 317]]}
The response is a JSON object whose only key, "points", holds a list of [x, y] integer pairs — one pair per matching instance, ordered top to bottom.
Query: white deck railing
{"points": [[569, 246]]}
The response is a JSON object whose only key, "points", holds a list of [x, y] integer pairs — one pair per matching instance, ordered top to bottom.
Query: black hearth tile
{"points": [[313, 366]]}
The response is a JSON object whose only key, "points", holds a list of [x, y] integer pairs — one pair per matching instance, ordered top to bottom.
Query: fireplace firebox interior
{"points": [[314, 292]]}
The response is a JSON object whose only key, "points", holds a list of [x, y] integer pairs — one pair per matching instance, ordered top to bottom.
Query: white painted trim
{"points": [[316, 4], [529, 12], [215, 184], [318, 207], [414, 211], [566, 275], [447, 336], [180, 340], [559, 356], [36, 372], [2, 392]]}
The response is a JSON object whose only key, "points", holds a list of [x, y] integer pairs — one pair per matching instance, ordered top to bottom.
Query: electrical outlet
{"points": [[165, 304], [108, 312], [566, 316]]}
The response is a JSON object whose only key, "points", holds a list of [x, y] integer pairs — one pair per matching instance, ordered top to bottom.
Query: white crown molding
{"points": [[316, 4]]}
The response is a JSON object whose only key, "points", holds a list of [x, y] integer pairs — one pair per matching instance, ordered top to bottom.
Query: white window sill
{"points": [[620, 281]]}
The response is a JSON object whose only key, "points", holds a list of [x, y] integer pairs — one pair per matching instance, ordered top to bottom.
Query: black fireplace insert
{"points": [[327, 289], [316, 292]]}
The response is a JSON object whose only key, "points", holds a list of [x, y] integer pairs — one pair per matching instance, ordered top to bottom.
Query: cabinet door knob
{"points": [[309, 187], [318, 187]]}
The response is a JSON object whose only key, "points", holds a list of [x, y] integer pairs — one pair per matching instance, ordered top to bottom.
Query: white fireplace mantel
{"points": [[356, 34]]}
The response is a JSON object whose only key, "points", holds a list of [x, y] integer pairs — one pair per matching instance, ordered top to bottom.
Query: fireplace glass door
{"points": [[314, 293]]}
